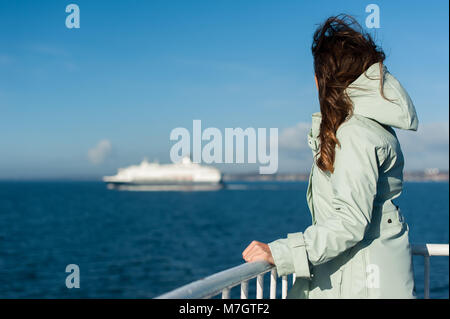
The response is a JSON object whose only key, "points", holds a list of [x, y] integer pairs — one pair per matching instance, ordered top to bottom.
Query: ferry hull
{"points": [[165, 186]]}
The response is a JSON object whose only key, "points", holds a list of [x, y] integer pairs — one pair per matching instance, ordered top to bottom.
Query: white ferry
{"points": [[184, 175]]}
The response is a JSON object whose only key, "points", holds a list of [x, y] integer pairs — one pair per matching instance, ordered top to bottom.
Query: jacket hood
{"points": [[397, 110]]}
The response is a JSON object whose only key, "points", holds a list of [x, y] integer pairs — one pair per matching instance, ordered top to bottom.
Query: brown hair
{"points": [[342, 51]]}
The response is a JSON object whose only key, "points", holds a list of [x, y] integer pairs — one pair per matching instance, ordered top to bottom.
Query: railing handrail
{"points": [[430, 249], [215, 284]]}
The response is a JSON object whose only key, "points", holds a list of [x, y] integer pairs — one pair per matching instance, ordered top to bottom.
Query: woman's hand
{"points": [[258, 251]]}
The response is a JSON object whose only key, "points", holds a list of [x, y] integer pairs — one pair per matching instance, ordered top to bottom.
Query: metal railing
{"points": [[428, 250], [222, 282]]}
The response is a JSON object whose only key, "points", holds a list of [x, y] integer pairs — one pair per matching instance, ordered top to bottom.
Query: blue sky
{"points": [[137, 69]]}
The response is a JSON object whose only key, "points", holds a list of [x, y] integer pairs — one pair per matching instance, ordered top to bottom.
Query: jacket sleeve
{"points": [[354, 185]]}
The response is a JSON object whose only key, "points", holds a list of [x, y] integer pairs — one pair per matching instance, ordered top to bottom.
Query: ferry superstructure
{"points": [[147, 174]]}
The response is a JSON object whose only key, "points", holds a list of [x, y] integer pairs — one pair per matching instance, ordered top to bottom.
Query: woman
{"points": [[357, 245]]}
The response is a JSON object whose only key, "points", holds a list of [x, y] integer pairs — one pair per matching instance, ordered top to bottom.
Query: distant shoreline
{"points": [[412, 176]]}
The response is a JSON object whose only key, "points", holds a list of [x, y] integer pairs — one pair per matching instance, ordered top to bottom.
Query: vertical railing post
{"points": [[426, 279], [273, 283], [259, 286], [284, 287], [244, 289], [226, 293]]}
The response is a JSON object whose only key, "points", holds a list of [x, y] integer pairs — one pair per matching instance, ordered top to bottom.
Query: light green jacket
{"points": [[357, 245]]}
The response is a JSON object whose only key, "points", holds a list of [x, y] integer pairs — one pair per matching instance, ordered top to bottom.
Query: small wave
{"points": [[237, 187]]}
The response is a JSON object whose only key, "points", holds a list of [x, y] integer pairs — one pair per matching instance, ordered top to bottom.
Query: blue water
{"points": [[142, 244]]}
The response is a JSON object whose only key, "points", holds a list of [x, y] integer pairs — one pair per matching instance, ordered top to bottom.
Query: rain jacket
{"points": [[357, 245]]}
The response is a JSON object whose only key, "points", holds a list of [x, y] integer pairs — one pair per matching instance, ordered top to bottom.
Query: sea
{"points": [[138, 244]]}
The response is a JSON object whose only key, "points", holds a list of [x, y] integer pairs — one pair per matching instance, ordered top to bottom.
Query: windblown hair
{"points": [[342, 51]]}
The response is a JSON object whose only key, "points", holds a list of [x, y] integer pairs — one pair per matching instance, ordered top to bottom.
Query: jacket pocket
{"points": [[392, 224]]}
